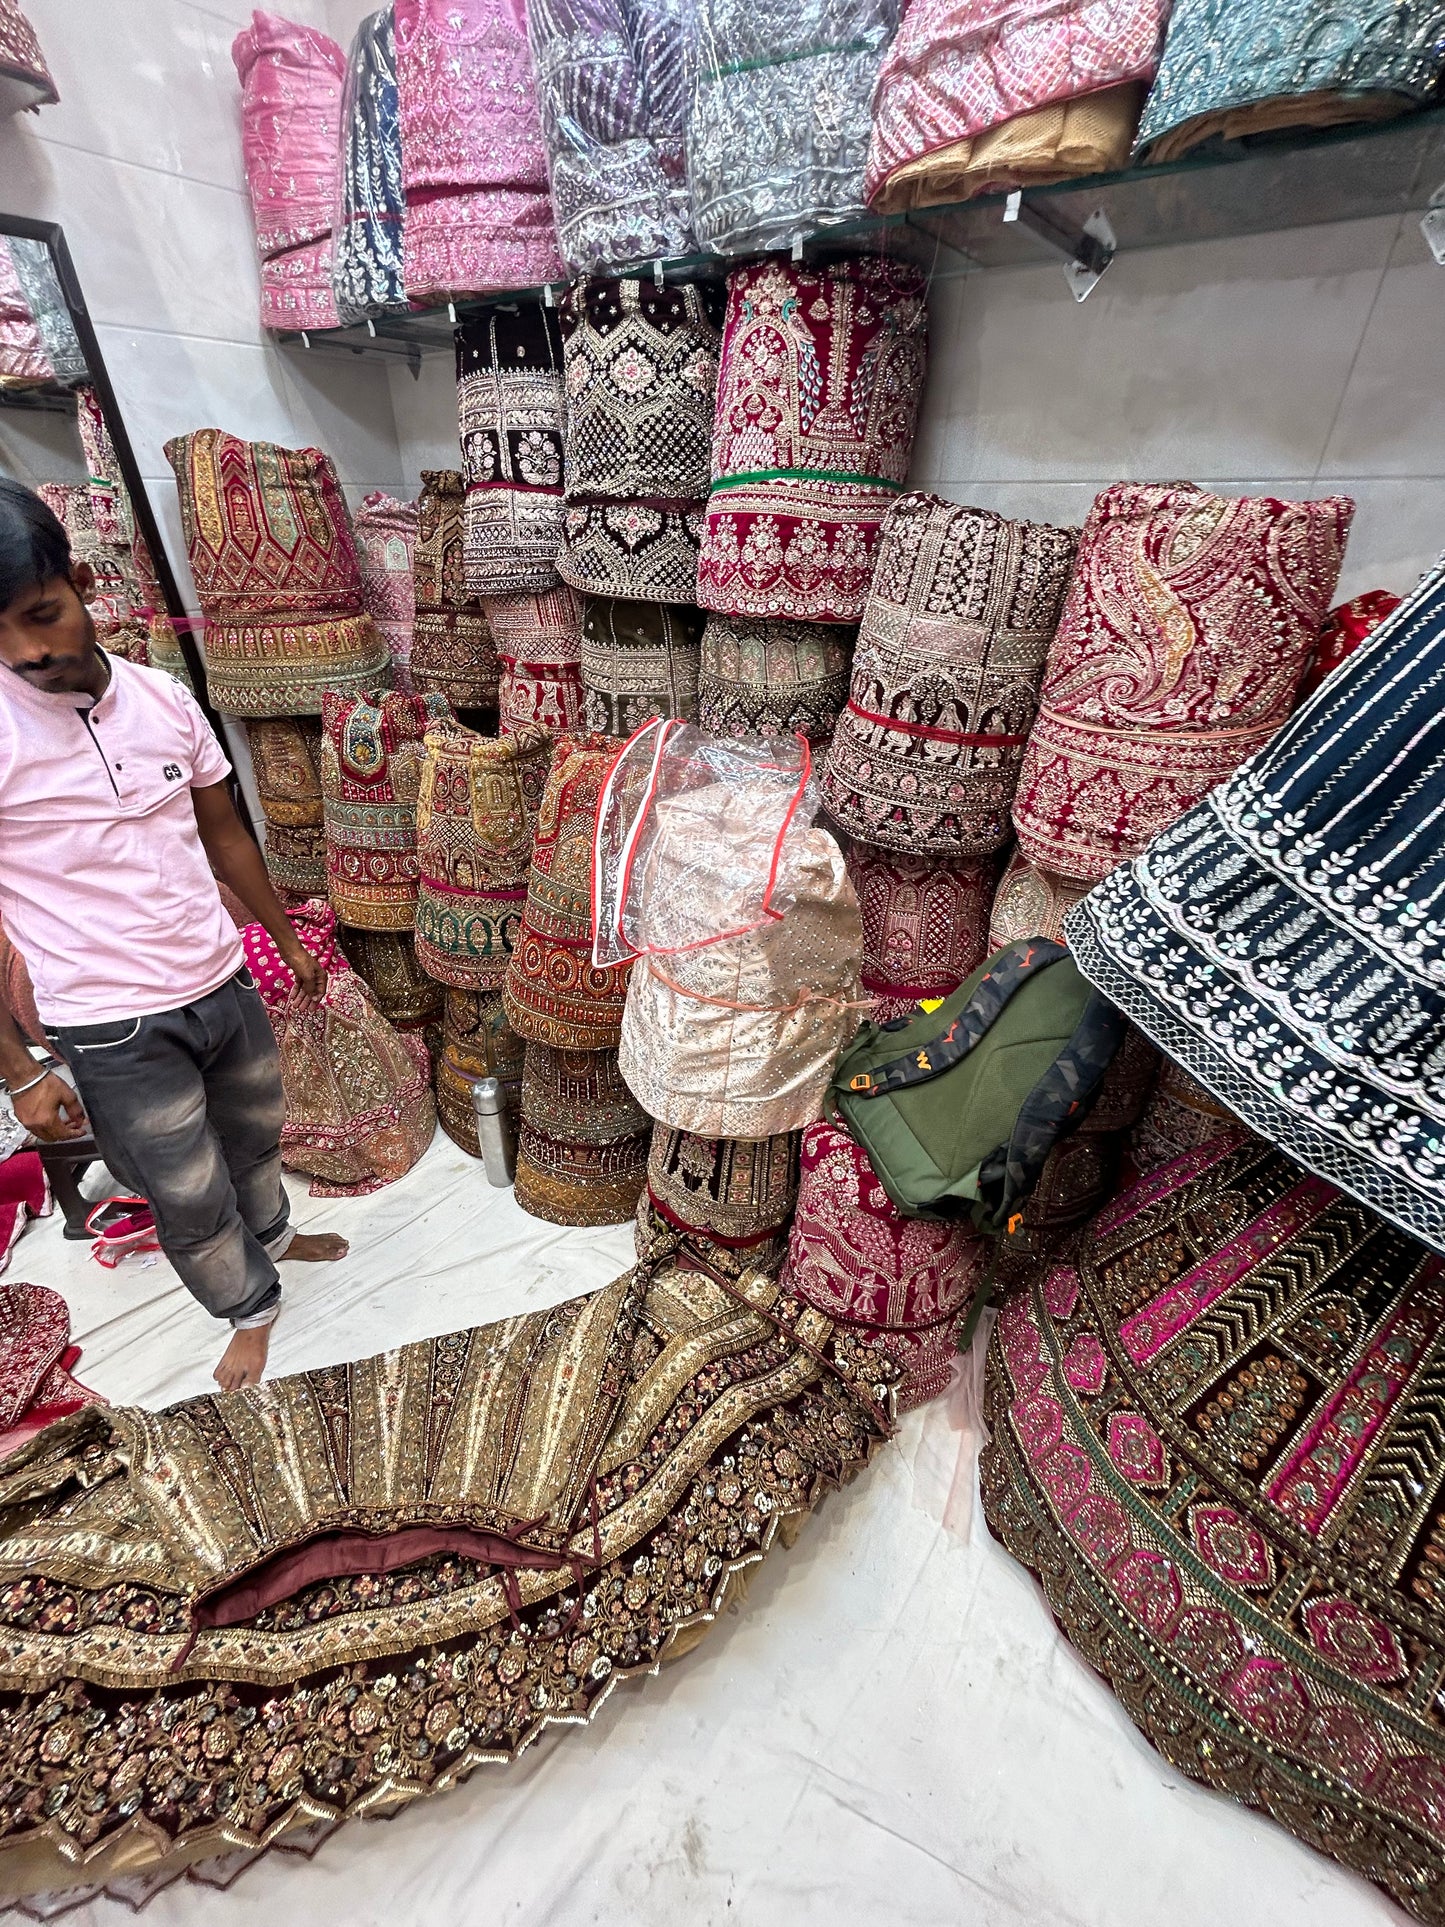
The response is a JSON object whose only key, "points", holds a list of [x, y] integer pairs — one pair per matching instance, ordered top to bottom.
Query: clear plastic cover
{"points": [[611, 88], [778, 115], [366, 263], [693, 839]]}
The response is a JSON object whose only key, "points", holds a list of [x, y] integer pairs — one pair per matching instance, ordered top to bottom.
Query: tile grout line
{"points": [[144, 167]]}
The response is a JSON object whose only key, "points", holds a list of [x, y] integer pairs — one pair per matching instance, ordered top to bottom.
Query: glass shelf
{"points": [[1267, 185], [42, 398]]}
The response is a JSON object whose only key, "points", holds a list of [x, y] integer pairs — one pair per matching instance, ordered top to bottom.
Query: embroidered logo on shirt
{"points": [[172, 772]]}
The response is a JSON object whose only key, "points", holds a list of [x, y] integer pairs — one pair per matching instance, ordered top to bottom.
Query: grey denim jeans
{"points": [[187, 1109]]}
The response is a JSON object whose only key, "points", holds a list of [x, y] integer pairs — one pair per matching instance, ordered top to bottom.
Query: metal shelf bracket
{"points": [[1432, 225], [1087, 251]]}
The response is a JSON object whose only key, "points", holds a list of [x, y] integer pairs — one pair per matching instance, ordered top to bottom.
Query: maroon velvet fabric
{"points": [[339, 1555]]}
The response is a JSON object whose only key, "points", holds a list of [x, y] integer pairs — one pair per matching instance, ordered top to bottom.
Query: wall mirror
{"points": [[61, 434]]}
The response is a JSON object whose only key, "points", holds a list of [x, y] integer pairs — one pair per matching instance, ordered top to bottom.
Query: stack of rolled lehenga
{"points": [[1230, 70], [292, 78], [610, 79], [976, 96], [778, 116], [474, 173], [366, 263], [641, 371], [385, 532], [269, 541], [452, 653], [758, 678], [286, 761], [924, 761], [477, 1042], [359, 1109], [583, 1142], [427, 1557]]}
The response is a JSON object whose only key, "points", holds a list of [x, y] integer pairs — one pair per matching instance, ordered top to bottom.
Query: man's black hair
{"points": [[33, 544]]}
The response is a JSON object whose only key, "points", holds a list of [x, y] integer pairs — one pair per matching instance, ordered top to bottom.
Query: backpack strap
{"points": [[1008, 974], [1054, 1108]]}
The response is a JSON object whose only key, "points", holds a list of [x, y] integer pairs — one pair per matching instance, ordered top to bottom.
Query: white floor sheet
{"points": [[891, 1731]]}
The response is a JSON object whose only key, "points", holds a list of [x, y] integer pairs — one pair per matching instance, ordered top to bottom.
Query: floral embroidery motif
{"points": [[641, 377], [817, 400], [509, 417], [959, 617], [1187, 625], [1280, 941], [1272, 1625]]}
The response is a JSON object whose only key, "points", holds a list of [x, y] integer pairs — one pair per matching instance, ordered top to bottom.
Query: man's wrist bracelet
{"points": [[27, 1087]]}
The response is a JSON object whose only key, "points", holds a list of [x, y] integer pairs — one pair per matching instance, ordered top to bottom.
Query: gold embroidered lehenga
{"points": [[327, 1595]]}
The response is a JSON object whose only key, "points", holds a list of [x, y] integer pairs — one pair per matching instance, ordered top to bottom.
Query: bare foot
{"points": [[316, 1247], [244, 1359]]}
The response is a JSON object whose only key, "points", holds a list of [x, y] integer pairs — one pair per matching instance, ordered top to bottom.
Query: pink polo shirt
{"points": [[104, 886]]}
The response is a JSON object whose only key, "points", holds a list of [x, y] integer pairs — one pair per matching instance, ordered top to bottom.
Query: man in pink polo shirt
{"points": [[115, 822]]}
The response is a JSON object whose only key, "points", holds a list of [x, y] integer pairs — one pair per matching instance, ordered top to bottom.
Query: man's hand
{"points": [[309, 975], [52, 1111]]}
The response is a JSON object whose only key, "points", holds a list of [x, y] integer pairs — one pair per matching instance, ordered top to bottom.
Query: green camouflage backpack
{"points": [[958, 1108]]}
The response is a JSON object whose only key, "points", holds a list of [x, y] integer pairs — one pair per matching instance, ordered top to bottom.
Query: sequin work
{"points": [[366, 258], [641, 373], [817, 402], [509, 416], [385, 532], [269, 543], [959, 618], [1187, 625], [538, 640], [452, 652], [639, 660], [776, 678], [371, 759], [476, 814], [1031, 902], [925, 923], [1282, 941], [554, 992], [477, 1042], [582, 1146], [737, 1193], [706, 1414], [1205, 1423]]}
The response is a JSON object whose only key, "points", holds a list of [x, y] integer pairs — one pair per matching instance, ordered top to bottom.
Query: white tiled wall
{"points": [[141, 164], [1297, 363], [1302, 364]]}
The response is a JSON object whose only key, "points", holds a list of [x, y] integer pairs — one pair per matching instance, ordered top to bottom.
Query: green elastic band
{"points": [[783, 60], [808, 475]]}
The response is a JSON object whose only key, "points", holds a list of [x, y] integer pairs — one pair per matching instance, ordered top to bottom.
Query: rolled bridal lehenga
{"points": [[332, 1593]]}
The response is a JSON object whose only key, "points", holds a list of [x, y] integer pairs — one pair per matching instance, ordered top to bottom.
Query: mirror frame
{"points": [[53, 235]]}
